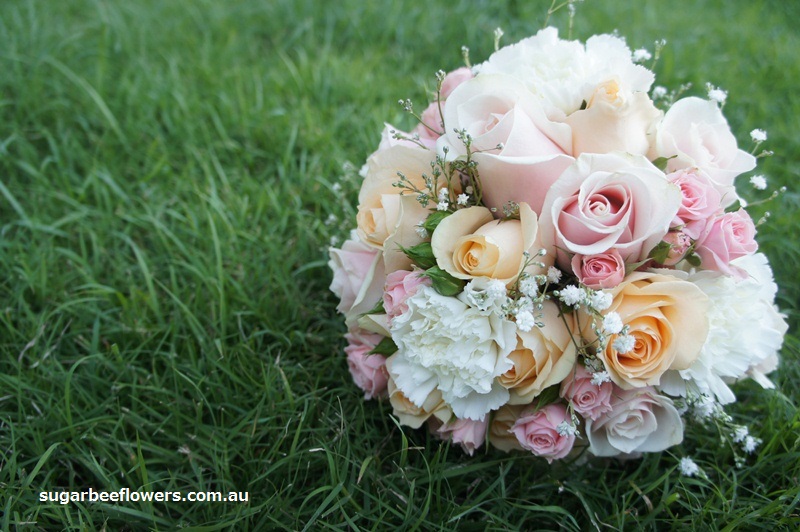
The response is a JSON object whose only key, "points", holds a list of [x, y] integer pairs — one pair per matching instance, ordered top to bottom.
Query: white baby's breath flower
{"points": [[641, 55], [659, 92], [716, 94], [758, 135], [759, 182], [443, 194], [462, 199], [442, 205], [421, 231], [553, 274], [528, 287], [485, 294], [571, 295], [600, 300], [525, 320], [612, 323], [623, 343], [600, 377], [704, 407], [566, 428], [740, 433], [750, 444], [688, 467]]}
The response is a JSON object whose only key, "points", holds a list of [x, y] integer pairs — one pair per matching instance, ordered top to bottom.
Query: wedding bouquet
{"points": [[556, 258]]}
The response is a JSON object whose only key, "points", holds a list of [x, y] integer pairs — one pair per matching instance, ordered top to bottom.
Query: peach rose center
{"points": [[651, 335]]}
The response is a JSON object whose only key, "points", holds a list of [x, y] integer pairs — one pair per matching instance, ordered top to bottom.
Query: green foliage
{"points": [[166, 173]]}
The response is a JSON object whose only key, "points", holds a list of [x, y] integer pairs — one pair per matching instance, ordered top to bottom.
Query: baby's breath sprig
{"points": [[408, 106]]}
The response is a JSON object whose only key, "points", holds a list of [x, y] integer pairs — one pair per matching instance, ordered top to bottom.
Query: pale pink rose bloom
{"points": [[453, 79], [498, 110], [695, 134], [606, 201], [700, 201], [729, 237], [679, 243], [604, 270], [358, 276], [400, 285], [368, 371], [589, 400], [639, 422], [537, 432], [468, 433]]}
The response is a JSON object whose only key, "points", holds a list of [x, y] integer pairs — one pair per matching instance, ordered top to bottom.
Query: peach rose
{"points": [[614, 120], [606, 201], [386, 217], [470, 243], [667, 321], [543, 357], [412, 415], [500, 435]]}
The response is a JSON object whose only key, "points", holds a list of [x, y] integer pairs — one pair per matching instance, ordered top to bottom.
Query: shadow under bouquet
{"points": [[556, 258]]}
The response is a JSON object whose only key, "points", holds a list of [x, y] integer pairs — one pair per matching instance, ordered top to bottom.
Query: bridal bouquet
{"points": [[556, 258]]}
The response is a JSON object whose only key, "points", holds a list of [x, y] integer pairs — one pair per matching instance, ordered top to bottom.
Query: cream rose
{"points": [[498, 110], [614, 120], [606, 201], [386, 217], [470, 243], [667, 321], [544, 356], [413, 415], [500, 435]]}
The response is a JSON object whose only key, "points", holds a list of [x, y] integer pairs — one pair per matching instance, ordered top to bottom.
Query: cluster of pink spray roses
{"points": [[551, 261]]}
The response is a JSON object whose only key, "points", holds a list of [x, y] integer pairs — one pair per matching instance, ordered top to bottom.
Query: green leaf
{"points": [[661, 162], [433, 220], [660, 252], [421, 254], [693, 259], [443, 282], [385, 347], [548, 396]]}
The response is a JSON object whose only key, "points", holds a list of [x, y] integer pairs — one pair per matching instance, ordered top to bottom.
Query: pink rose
{"points": [[432, 125], [695, 134], [518, 150], [606, 201], [699, 201], [729, 237], [679, 244], [605, 270], [358, 276], [400, 285], [368, 371], [588, 399], [639, 421], [538, 432], [468, 433]]}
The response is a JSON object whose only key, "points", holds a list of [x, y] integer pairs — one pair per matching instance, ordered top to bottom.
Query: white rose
{"points": [[563, 74], [498, 109], [613, 120], [695, 134], [358, 276], [446, 345], [639, 422]]}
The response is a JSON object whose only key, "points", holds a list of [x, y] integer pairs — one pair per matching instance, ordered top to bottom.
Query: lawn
{"points": [[167, 198]]}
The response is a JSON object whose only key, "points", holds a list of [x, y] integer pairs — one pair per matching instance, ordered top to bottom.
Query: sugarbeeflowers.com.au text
{"points": [[128, 495]]}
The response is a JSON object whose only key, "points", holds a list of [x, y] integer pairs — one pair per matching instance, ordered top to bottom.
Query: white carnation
{"points": [[564, 73], [745, 335], [447, 345]]}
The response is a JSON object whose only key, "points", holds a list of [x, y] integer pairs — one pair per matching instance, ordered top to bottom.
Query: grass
{"points": [[166, 172]]}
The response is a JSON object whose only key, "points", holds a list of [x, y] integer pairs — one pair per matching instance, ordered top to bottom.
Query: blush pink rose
{"points": [[453, 79], [695, 134], [519, 151], [606, 201], [699, 201], [729, 237], [679, 244], [605, 270], [358, 276], [400, 285], [368, 371], [589, 400], [537, 431], [468, 433]]}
